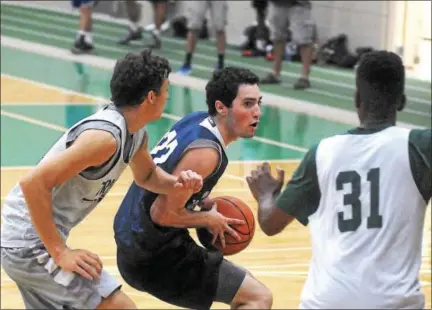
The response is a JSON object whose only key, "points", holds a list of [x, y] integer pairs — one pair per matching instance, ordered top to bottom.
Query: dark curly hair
{"points": [[135, 75], [380, 82], [224, 86]]}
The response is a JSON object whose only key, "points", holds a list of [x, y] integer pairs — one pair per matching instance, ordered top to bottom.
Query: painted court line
{"points": [[53, 104], [288, 104], [164, 115], [33, 121], [63, 129], [231, 162], [221, 190], [119, 194], [122, 194]]}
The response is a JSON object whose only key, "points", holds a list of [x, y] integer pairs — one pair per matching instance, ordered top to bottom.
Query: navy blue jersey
{"points": [[132, 224]]}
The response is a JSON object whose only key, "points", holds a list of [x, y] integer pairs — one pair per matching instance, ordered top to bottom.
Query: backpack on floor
{"points": [[335, 52]]}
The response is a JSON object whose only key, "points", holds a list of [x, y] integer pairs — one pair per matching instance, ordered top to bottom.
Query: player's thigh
{"points": [[195, 13], [219, 14], [279, 21], [301, 25], [182, 274], [230, 280], [42, 283], [252, 292], [117, 300]]}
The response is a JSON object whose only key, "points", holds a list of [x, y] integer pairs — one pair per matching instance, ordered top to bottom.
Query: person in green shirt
{"points": [[363, 195]]}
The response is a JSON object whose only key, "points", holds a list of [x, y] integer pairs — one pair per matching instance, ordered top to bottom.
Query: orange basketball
{"points": [[234, 208]]}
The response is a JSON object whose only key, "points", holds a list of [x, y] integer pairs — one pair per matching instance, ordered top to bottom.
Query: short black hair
{"points": [[135, 75], [380, 82], [224, 86]]}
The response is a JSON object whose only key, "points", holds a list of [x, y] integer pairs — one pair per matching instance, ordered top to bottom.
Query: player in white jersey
{"points": [[72, 178], [364, 195]]}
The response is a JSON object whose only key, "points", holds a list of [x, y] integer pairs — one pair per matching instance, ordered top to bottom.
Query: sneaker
{"points": [[131, 36], [81, 46], [185, 70], [270, 78], [302, 83]]}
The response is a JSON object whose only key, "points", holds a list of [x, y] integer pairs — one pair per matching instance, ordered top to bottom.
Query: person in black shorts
{"points": [[155, 253]]}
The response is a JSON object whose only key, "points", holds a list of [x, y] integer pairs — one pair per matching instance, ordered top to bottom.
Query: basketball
{"points": [[234, 208]]}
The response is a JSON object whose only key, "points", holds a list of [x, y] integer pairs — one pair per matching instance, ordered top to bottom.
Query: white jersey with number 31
{"points": [[367, 230]]}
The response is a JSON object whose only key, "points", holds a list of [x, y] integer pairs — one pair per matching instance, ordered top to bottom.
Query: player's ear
{"points": [[151, 96], [402, 103], [220, 108]]}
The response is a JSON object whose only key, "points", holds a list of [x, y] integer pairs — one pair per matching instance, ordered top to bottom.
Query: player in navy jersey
{"points": [[155, 253]]}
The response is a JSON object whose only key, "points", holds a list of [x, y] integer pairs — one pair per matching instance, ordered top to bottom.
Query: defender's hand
{"points": [[261, 182]]}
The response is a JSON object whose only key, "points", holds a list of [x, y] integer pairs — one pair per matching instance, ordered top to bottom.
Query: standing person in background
{"points": [[133, 10], [294, 15], [195, 17], [84, 41]]}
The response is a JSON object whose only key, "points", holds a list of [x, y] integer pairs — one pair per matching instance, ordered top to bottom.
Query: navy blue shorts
{"points": [[78, 3], [185, 275]]}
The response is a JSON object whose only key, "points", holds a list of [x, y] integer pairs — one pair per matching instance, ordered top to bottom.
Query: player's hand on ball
{"points": [[189, 180], [261, 182], [219, 225], [82, 262]]}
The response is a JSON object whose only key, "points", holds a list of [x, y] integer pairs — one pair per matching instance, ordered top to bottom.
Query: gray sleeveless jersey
{"points": [[76, 198]]}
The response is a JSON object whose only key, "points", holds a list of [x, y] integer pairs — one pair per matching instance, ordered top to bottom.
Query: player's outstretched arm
{"points": [[91, 148], [149, 176], [265, 189], [300, 198], [169, 210]]}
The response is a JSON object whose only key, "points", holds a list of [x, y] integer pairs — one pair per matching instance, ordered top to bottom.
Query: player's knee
{"points": [[252, 295], [264, 298], [117, 300]]}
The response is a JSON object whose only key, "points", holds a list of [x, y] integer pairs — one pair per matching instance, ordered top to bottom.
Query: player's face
{"points": [[161, 99], [156, 102], [244, 115]]}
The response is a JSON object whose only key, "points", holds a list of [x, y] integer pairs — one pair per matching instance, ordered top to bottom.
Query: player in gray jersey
{"points": [[69, 182], [364, 194]]}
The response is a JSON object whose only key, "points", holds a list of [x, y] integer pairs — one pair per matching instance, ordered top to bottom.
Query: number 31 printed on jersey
{"points": [[165, 147], [353, 199]]}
